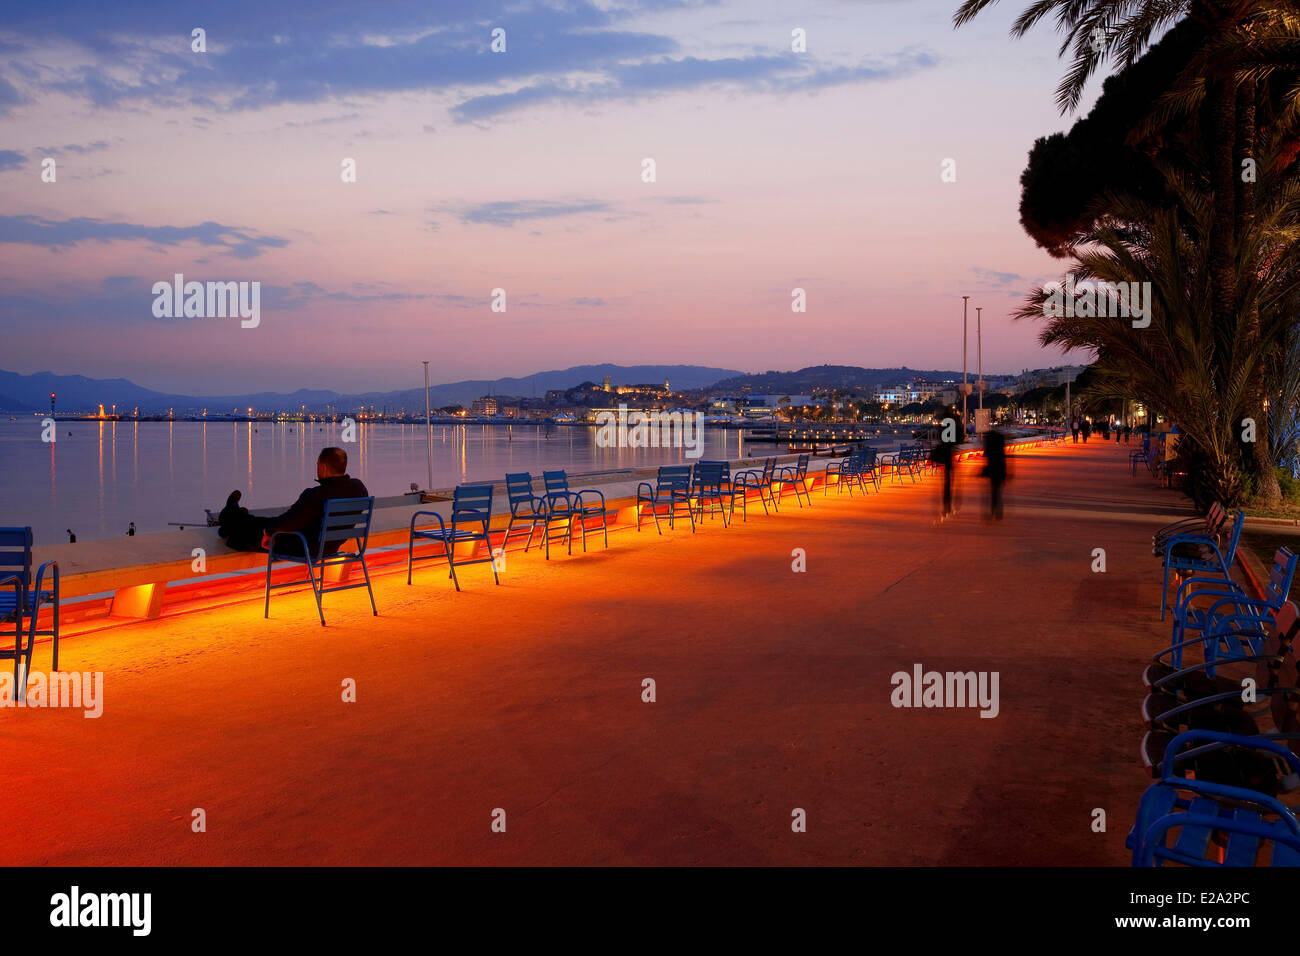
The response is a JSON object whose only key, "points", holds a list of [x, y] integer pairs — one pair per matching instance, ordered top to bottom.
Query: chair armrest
{"points": [[649, 490], [592, 491], [553, 496], [442, 526], [270, 551], [40, 577], [15, 579], [1197, 579], [1217, 740]]}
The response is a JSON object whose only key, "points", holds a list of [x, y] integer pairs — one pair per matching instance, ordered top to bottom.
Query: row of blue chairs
{"points": [[707, 488], [1221, 711]]}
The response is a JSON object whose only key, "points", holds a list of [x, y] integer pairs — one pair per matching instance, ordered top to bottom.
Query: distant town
{"points": [[1027, 396]]}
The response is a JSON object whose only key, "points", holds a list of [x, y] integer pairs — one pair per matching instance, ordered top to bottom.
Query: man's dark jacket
{"points": [[305, 513]]}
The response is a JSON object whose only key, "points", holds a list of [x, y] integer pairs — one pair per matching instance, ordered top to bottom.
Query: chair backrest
{"points": [[801, 466], [769, 470], [709, 475], [674, 478], [557, 482], [519, 489], [471, 504], [1215, 517], [346, 518], [16, 554], [1280, 577]]}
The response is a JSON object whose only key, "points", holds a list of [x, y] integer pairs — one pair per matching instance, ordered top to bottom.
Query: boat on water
{"points": [[820, 451]]}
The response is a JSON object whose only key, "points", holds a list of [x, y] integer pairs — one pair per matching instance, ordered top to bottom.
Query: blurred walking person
{"points": [[995, 469]]}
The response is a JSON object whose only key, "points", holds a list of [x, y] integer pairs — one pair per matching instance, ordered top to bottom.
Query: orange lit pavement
{"points": [[773, 693]]}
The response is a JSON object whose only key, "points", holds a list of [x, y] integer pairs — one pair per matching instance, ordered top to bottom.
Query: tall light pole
{"points": [[965, 300], [979, 350], [428, 426]]}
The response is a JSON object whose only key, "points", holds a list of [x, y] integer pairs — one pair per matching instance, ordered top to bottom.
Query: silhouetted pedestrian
{"points": [[1074, 429], [944, 454], [995, 469], [130, 532]]}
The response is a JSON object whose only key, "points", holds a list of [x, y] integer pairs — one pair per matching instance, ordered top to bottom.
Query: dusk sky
{"points": [[520, 170]]}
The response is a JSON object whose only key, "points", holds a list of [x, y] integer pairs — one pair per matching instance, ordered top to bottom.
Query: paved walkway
{"points": [[773, 693]]}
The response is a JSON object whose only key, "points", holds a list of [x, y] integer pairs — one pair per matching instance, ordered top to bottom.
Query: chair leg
{"points": [[604, 526], [529, 543], [410, 555], [451, 562], [364, 570], [315, 590], [1164, 592], [266, 608]]}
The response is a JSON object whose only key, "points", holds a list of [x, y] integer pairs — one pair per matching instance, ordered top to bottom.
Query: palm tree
{"points": [[1247, 42], [1187, 364]]}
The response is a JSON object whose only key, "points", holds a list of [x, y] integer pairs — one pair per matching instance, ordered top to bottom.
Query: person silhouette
{"points": [[995, 469]]}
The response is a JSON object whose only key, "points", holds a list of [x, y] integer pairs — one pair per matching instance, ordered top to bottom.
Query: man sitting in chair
{"points": [[245, 531]]}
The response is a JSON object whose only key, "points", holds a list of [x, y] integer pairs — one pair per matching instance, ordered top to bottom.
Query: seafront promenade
{"points": [[772, 694]]}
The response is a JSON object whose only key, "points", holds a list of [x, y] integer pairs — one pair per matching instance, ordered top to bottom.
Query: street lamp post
{"points": [[965, 300], [979, 351], [428, 426]]}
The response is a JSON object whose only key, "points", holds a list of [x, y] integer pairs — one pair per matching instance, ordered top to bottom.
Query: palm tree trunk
{"points": [[1258, 455]]}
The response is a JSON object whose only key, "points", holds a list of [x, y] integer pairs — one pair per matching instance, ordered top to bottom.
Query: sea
{"points": [[100, 477]]}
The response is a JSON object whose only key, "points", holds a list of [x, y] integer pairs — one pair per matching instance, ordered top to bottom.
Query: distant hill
{"points": [[807, 380], [28, 393]]}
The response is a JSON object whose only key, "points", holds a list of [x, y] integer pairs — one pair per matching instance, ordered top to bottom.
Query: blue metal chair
{"points": [[1142, 455], [857, 469], [796, 476], [761, 480], [671, 490], [713, 491], [579, 506], [525, 508], [343, 519], [471, 519], [1211, 525], [1199, 554], [21, 600], [1231, 615], [1167, 674], [1194, 697], [1213, 820]]}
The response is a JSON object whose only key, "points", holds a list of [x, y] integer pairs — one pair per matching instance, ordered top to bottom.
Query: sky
{"points": [[521, 170]]}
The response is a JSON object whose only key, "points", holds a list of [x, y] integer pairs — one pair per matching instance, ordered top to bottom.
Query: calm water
{"points": [[99, 476]]}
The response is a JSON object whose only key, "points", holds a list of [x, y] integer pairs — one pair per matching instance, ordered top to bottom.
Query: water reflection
{"points": [[175, 474]]}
